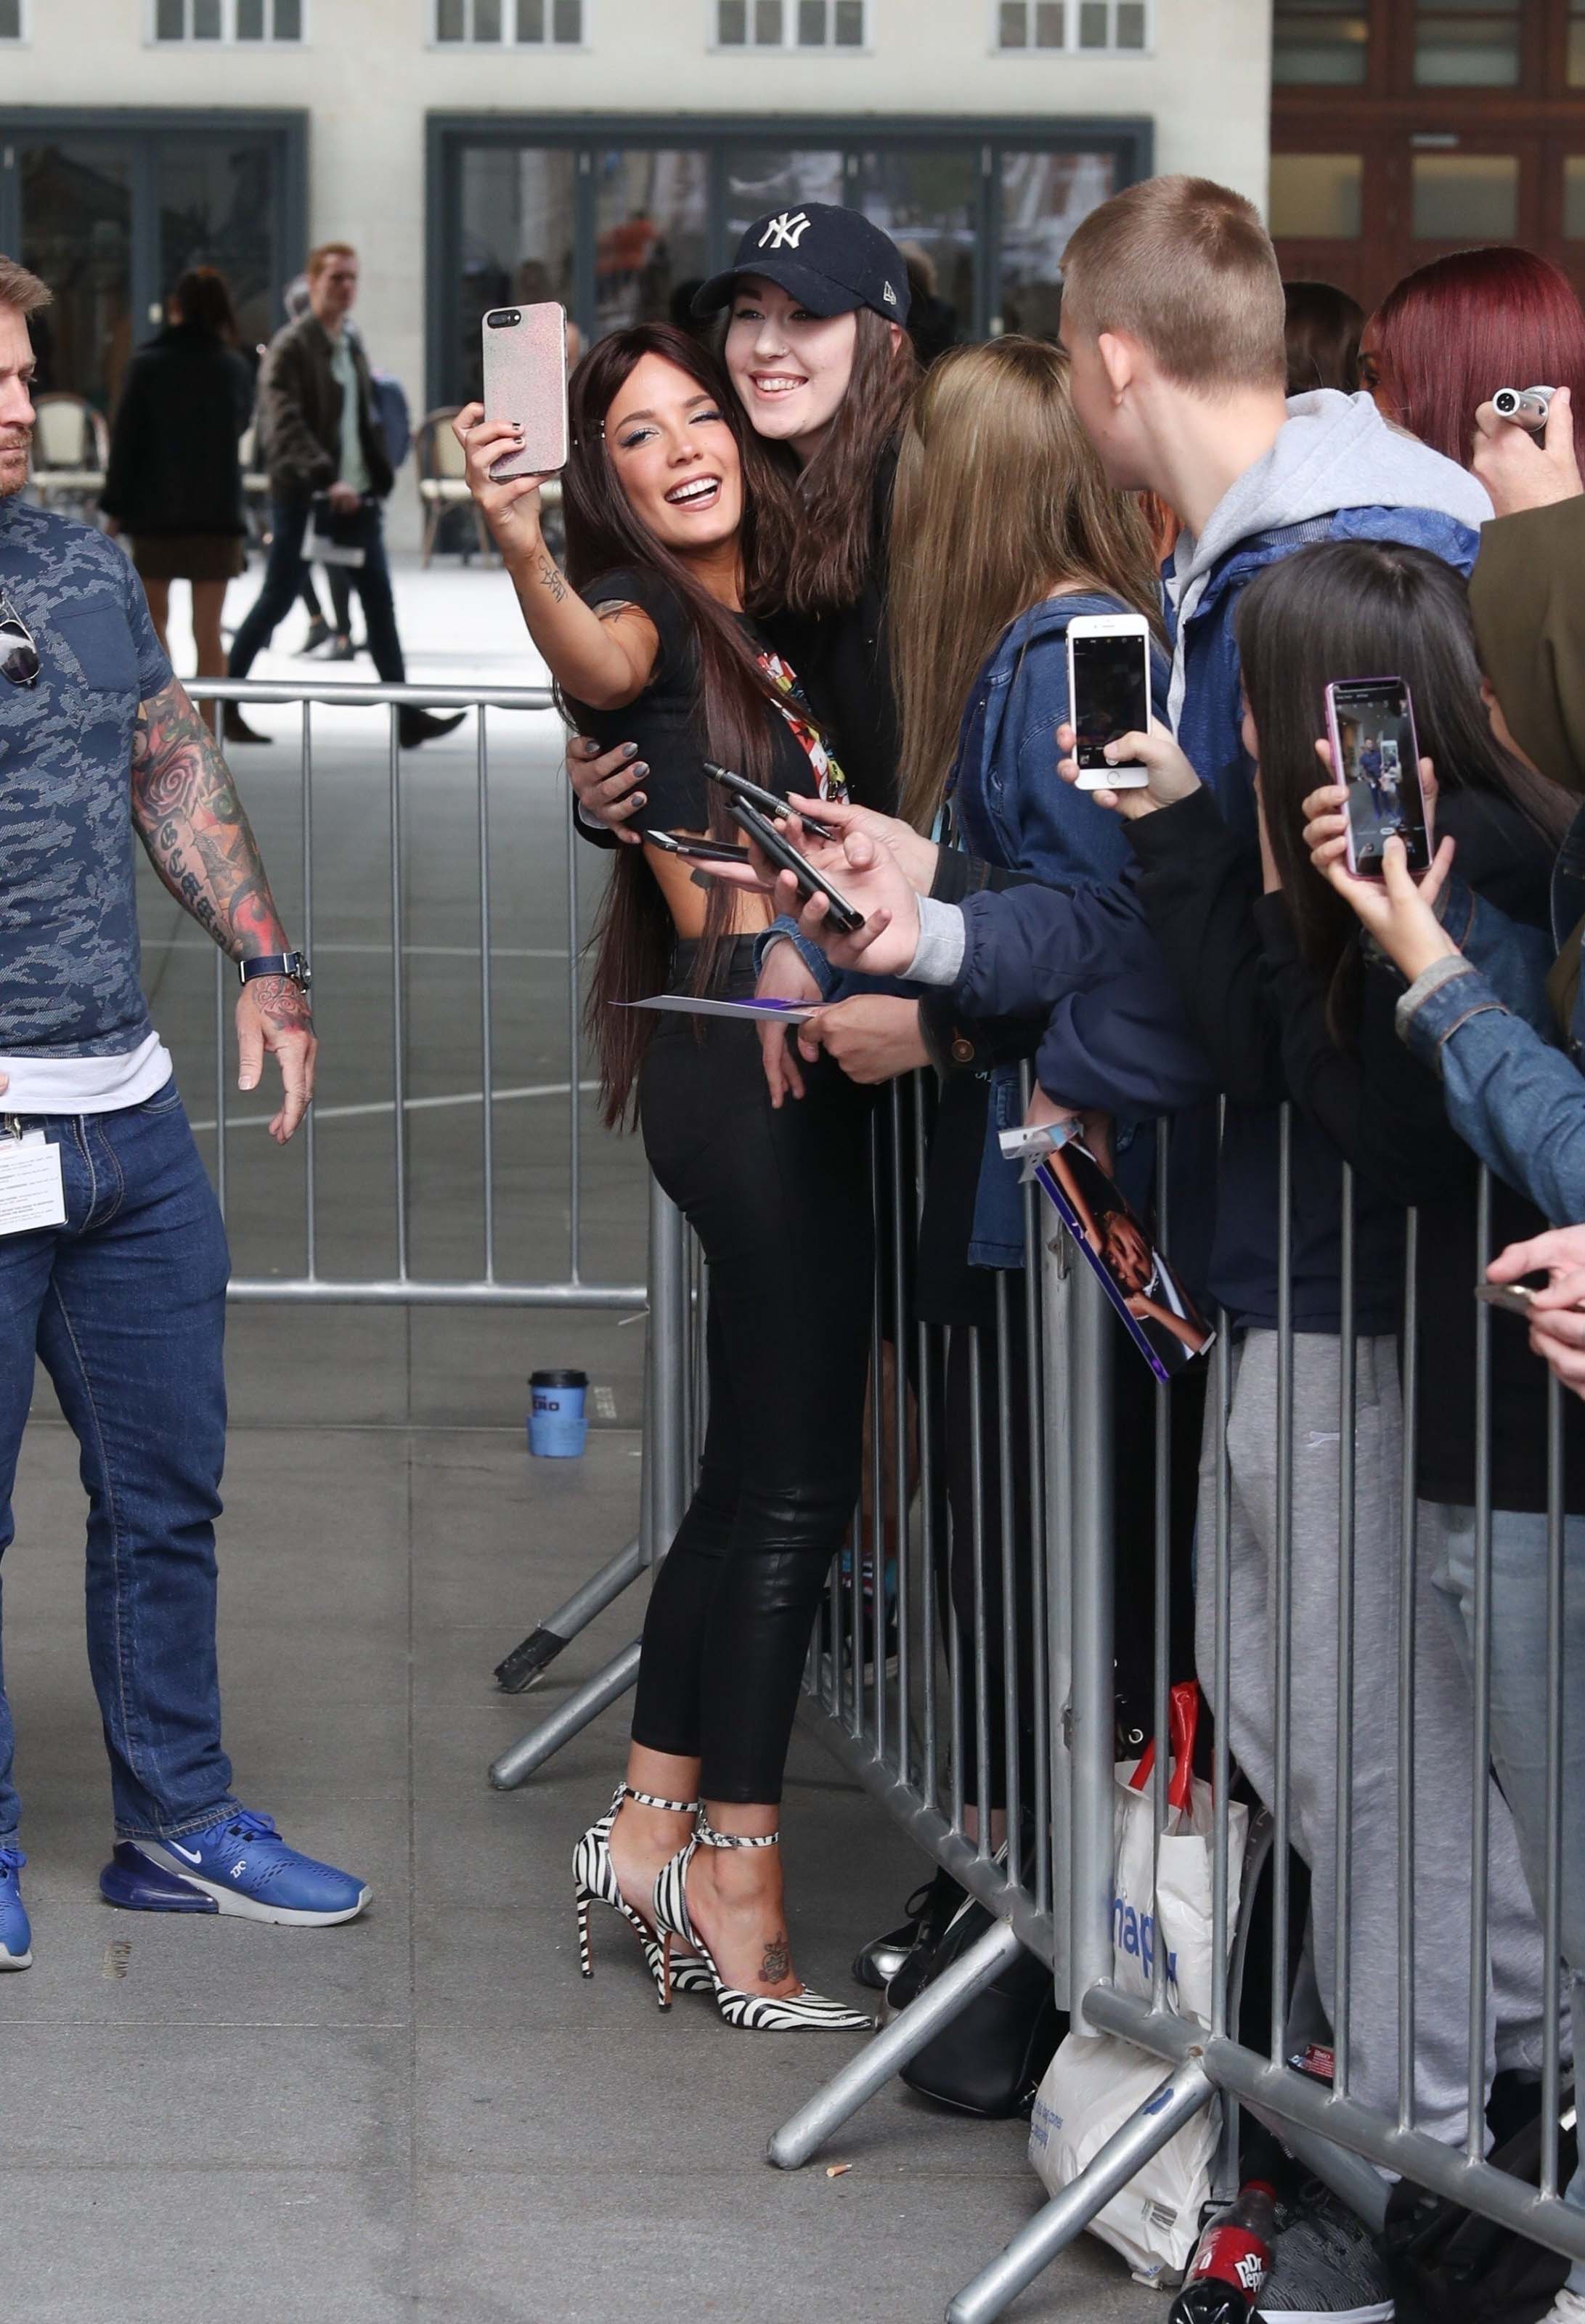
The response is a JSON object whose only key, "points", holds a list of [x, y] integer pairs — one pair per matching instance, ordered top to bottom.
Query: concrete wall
{"points": [[367, 76]]}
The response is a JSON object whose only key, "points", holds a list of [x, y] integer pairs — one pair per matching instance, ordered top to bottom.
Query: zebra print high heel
{"points": [[595, 1882], [761, 2013]]}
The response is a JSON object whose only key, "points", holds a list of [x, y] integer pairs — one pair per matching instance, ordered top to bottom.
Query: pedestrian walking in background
{"points": [[322, 443], [174, 482]]}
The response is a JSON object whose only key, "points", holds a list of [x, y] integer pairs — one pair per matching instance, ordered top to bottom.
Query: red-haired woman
{"points": [[1451, 333], [668, 500]]}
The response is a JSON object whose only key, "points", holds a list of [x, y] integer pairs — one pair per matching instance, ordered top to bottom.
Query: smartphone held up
{"points": [[525, 382], [1109, 694], [1375, 755]]}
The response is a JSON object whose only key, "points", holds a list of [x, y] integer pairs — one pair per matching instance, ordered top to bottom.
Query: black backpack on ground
{"points": [[989, 2059], [1447, 2265]]}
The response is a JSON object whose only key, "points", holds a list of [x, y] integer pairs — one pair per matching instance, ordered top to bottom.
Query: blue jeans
{"points": [[284, 579], [125, 1306], [1518, 1706]]}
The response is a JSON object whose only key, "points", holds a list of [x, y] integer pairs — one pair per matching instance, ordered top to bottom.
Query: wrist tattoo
{"points": [[551, 577], [282, 1002]]}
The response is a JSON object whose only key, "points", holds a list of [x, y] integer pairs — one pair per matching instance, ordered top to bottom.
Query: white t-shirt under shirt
{"points": [[85, 1084]]}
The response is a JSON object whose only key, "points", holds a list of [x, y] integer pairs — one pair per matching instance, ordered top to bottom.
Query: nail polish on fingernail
{"points": [[628, 750], [643, 768], [640, 801]]}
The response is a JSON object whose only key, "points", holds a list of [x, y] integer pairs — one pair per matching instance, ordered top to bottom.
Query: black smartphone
{"points": [[1375, 755], [768, 802], [698, 851], [785, 857]]}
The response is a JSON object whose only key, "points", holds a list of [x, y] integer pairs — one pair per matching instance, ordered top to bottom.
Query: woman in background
{"points": [[1323, 334], [174, 481]]}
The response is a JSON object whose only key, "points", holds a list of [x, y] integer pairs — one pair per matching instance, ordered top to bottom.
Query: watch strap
{"points": [[275, 964]]}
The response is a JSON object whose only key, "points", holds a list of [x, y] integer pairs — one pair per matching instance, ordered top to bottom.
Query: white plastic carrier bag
{"points": [[1095, 2082]]}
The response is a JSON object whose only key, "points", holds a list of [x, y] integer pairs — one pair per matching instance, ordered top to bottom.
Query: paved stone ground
{"points": [[429, 2115]]}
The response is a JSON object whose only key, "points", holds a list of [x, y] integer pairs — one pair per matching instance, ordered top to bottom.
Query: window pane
{"points": [[206, 19], [10, 20], [171, 20], [250, 20], [288, 20], [487, 20], [530, 20], [450, 21], [566, 22], [849, 23], [1050, 23], [731, 24], [767, 24], [811, 24], [1131, 24], [1013, 25], [1094, 31], [1320, 43], [1468, 45], [1576, 66], [761, 178], [1043, 197], [1316, 197], [1466, 197], [1574, 197], [216, 198], [927, 200], [517, 208], [651, 221], [77, 234]]}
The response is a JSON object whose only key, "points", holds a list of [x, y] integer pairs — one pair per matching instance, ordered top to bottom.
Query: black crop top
{"points": [[664, 721]]}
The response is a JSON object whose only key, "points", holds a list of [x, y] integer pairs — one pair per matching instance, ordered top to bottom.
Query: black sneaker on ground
{"points": [[318, 635], [415, 726], [235, 727], [928, 1910], [1325, 2268]]}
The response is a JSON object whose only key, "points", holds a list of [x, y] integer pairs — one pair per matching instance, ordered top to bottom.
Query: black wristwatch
{"points": [[294, 964]]}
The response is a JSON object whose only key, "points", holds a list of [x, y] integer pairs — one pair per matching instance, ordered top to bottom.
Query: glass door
{"points": [[76, 235]]}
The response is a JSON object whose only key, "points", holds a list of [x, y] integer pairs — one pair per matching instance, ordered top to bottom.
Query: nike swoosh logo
{"points": [[193, 1854]]}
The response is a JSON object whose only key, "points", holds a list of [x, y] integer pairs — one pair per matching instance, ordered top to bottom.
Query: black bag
{"points": [[990, 2059], [1447, 2265]]}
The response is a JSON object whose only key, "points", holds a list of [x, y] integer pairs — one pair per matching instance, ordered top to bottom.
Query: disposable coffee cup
{"points": [[558, 1429]]}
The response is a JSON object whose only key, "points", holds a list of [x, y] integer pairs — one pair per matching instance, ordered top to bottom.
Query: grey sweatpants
{"points": [[1443, 1724]]}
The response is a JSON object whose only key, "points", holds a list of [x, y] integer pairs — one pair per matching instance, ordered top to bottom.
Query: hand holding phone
{"points": [[1109, 695], [1375, 756], [770, 843]]}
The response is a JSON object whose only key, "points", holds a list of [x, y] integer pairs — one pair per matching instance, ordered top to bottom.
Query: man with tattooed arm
{"points": [[113, 1257]]}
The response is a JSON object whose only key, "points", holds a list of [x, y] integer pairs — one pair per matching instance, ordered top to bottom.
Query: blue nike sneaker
{"points": [[241, 1865], [17, 1936]]}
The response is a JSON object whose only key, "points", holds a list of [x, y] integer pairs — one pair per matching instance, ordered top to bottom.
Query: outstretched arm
{"points": [[191, 822]]}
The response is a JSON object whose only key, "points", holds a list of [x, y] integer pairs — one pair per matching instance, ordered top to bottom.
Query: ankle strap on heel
{"points": [[672, 1807], [713, 1839]]}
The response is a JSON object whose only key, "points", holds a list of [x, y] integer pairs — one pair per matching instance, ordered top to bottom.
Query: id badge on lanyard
{"points": [[32, 1194]]}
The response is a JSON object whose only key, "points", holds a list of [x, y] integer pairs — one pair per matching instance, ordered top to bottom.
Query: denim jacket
{"points": [[1481, 1020]]}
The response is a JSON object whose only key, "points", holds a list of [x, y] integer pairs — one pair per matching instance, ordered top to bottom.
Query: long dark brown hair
{"points": [[202, 298], [829, 541], [1366, 609], [634, 932]]}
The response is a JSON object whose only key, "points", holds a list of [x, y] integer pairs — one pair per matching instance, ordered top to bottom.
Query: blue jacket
{"points": [[1482, 1021]]}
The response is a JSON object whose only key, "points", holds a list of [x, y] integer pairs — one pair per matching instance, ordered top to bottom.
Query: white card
{"points": [[31, 1192]]}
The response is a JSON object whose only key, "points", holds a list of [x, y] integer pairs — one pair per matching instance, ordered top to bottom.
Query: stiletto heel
{"points": [[595, 1882], [759, 2013]]}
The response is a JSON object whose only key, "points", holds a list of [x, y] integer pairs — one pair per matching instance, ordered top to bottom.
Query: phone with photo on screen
{"points": [[525, 380], [1109, 694], [1375, 755]]}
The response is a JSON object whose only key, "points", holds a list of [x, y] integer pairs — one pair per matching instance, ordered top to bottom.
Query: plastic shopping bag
{"points": [[1184, 1883], [1095, 2082], [1091, 2087]]}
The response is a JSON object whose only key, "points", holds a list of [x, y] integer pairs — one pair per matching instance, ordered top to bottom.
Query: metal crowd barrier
{"points": [[667, 1397], [898, 1721]]}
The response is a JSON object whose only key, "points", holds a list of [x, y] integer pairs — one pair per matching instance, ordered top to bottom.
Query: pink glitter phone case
{"points": [[525, 379]]}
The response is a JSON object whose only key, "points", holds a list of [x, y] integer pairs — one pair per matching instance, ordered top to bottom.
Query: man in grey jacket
{"points": [[323, 444]]}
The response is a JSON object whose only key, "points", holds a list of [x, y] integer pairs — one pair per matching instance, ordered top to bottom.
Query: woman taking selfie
{"points": [[665, 501]]}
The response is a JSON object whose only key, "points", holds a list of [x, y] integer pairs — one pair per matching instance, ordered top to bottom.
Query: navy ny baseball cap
{"points": [[830, 259]]}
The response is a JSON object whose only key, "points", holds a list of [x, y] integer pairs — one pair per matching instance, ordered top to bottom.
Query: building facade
{"points": [[599, 152]]}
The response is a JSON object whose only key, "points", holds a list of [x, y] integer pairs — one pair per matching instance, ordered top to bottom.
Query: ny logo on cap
{"points": [[790, 227], [890, 295]]}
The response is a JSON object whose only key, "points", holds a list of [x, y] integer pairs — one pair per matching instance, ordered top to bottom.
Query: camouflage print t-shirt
{"points": [[70, 969]]}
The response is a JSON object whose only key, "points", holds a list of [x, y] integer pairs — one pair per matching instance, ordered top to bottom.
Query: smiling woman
{"points": [[673, 506]]}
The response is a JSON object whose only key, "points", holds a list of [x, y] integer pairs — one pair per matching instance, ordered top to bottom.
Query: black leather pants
{"points": [[781, 1203]]}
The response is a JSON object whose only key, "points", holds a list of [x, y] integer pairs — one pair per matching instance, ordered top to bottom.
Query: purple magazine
{"points": [[1157, 1313]]}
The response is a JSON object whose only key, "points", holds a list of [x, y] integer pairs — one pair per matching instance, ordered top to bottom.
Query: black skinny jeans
{"points": [[283, 581], [780, 1201]]}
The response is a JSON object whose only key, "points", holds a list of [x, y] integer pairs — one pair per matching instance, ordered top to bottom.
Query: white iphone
{"points": [[1108, 694]]}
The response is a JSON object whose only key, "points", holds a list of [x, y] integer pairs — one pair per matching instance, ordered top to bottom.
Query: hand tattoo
{"points": [[197, 837], [282, 1004], [778, 1961]]}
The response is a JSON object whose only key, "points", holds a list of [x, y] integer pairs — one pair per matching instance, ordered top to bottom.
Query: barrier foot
{"points": [[528, 1664], [570, 1719], [904, 2038], [1125, 2154]]}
